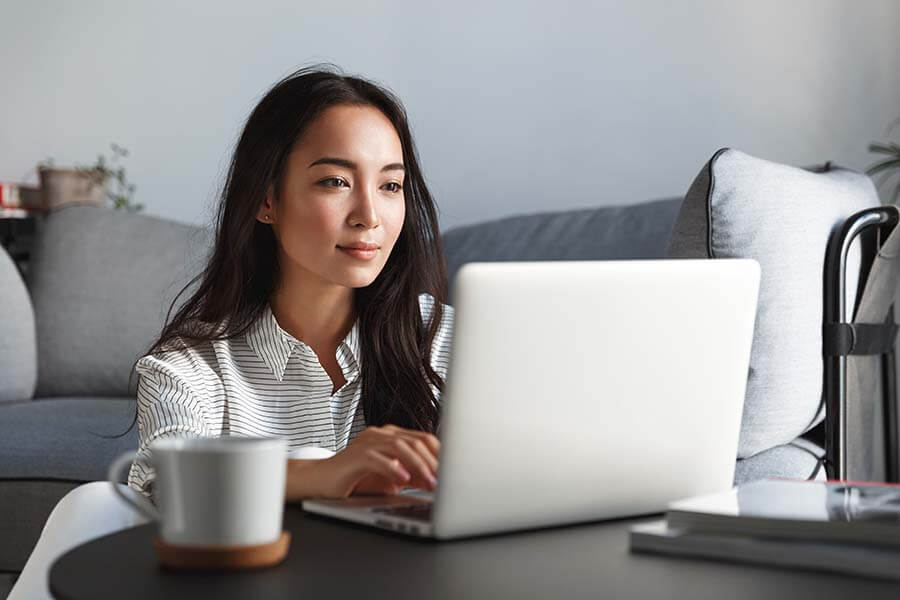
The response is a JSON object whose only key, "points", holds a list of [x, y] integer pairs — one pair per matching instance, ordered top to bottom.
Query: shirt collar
{"points": [[274, 346]]}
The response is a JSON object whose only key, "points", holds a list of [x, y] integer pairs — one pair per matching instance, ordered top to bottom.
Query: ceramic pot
{"points": [[62, 187]]}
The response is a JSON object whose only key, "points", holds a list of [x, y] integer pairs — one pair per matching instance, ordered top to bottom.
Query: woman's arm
{"points": [[166, 407], [381, 460], [303, 479]]}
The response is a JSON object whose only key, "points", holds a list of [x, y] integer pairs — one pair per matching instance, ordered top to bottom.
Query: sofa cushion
{"points": [[744, 207], [612, 232], [101, 282], [18, 349], [61, 438], [47, 448]]}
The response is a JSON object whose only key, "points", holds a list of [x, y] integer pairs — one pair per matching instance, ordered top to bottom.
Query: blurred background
{"points": [[516, 107]]}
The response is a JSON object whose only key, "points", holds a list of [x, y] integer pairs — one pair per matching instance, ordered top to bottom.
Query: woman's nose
{"points": [[365, 211]]}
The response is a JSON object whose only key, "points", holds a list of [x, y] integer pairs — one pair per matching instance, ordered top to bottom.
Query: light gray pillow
{"points": [[745, 207], [101, 282], [18, 345]]}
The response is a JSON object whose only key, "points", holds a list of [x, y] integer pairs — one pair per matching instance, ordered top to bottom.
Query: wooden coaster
{"points": [[222, 557]]}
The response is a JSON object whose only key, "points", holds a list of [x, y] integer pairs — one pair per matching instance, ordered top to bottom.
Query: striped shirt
{"points": [[265, 383]]}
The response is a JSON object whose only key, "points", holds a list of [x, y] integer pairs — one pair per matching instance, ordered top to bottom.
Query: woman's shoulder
{"points": [[427, 305], [444, 335], [443, 338], [185, 359], [180, 360]]}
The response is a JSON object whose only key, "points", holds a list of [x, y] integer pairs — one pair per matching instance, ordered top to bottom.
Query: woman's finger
{"points": [[429, 439], [431, 442], [424, 451], [411, 460], [387, 465], [416, 480], [376, 484]]}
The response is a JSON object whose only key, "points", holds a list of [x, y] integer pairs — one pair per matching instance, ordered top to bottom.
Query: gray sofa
{"points": [[96, 293]]}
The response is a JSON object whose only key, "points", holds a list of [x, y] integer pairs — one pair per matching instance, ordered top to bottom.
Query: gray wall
{"points": [[516, 106]]}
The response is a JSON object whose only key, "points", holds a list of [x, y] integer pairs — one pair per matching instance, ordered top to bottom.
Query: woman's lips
{"points": [[359, 253]]}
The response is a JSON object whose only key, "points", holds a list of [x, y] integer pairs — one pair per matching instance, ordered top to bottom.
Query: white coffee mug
{"points": [[222, 491]]}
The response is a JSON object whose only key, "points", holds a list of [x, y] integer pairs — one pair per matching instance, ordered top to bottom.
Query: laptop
{"points": [[581, 391]]}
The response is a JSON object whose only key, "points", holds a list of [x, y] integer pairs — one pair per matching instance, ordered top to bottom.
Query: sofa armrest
{"points": [[18, 339]]}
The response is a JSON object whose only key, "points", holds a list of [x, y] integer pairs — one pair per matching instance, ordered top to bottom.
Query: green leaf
{"points": [[889, 148], [889, 163], [885, 177]]}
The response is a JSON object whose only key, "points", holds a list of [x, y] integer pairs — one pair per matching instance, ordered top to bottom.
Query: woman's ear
{"points": [[266, 212]]}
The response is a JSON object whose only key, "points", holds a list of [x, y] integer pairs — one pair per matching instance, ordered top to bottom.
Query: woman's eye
{"points": [[333, 182], [393, 186]]}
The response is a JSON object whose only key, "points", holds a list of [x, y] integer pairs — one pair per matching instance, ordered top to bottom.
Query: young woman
{"points": [[319, 318]]}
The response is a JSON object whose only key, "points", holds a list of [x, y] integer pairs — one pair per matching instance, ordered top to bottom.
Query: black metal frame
{"points": [[873, 225]]}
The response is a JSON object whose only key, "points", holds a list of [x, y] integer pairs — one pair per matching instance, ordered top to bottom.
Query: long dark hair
{"points": [[242, 271]]}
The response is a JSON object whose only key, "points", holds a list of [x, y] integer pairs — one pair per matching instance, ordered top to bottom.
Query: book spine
{"points": [[9, 195]]}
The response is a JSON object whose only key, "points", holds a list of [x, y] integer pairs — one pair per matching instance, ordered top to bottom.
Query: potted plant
{"points": [[889, 166], [88, 184]]}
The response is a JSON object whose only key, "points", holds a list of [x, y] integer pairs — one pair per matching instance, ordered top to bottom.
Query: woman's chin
{"points": [[358, 280]]}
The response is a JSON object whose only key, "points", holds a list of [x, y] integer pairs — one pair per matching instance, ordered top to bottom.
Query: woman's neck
{"points": [[318, 313]]}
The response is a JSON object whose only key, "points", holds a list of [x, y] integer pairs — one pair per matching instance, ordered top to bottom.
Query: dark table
{"points": [[332, 559]]}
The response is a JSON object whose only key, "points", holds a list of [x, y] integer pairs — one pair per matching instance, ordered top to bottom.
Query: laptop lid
{"points": [[582, 390]]}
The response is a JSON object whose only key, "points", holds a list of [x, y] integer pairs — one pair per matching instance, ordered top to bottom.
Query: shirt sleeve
{"points": [[443, 339], [440, 348], [167, 407], [310, 453]]}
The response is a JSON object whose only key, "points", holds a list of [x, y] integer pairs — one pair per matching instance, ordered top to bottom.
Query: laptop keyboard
{"points": [[418, 512]]}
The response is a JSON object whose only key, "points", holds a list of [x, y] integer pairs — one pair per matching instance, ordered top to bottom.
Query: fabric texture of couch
{"points": [[740, 206]]}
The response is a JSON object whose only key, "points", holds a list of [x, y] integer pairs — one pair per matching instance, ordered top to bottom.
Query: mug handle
{"points": [[139, 503]]}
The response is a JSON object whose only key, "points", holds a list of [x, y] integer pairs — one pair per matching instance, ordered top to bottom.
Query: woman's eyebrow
{"points": [[349, 164]]}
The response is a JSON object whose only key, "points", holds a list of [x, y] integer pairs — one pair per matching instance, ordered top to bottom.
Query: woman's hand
{"points": [[381, 460]]}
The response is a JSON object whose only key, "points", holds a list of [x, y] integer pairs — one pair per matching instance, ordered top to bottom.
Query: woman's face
{"points": [[342, 186]]}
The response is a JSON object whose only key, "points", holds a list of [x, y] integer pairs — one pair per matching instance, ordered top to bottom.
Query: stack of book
{"points": [[17, 199], [847, 527]]}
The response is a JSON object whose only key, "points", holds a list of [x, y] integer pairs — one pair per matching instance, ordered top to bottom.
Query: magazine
{"points": [[867, 513], [853, 559]]}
